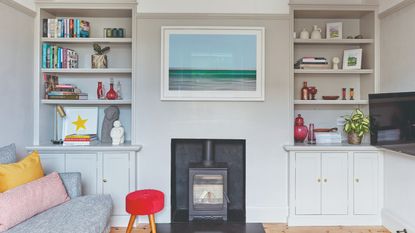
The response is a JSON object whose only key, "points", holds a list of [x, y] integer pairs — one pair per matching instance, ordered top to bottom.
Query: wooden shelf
{"points": [[88, 40], [328, 41], [89, 71], [315, 71], [87, 102], [331, 102]]}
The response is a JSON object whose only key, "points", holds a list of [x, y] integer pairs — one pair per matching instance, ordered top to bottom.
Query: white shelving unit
{"points": [[357, 19], [121, 58]]}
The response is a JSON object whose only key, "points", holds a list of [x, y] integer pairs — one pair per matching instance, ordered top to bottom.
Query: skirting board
{"points": [[266, 214], [335, 220], [394, 223]]}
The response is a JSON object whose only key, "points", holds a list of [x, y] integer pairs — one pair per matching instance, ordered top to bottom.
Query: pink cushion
{"points": [[25, 201]]}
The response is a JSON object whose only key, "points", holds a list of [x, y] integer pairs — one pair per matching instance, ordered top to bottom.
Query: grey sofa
{"points": [[81, 214]]}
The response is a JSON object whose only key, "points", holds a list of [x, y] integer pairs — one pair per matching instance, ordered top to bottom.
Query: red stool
{"points": [[144, 202]]}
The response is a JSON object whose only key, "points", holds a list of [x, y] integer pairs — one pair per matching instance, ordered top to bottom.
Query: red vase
{"points": [[112, 94], [300, 130]]}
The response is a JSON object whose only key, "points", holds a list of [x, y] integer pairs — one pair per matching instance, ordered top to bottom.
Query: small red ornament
{"points": [[100, 91], [112, 94], [300, 130]]}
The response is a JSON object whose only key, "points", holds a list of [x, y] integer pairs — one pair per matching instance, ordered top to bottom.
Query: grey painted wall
{"points": [[16, 73], [398, 74], [263, 124]]}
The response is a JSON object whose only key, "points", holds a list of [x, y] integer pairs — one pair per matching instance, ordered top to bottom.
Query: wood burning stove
{"points": [[208, 187]]}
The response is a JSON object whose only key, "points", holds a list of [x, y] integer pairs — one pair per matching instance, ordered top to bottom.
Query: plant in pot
{"points": [[99, 60], [356, 126]]}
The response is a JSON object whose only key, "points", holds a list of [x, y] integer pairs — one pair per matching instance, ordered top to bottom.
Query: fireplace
{"points": [[208, 180], [208, 185]]}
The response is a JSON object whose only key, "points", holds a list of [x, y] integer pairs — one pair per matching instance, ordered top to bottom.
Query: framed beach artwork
{"points": [[212, 64]]}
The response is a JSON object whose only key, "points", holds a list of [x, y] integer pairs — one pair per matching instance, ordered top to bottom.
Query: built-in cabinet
{"points": [[103, 170], [334, 187]]}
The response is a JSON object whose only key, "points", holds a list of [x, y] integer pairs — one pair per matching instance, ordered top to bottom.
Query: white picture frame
{"points": [[334, 31], [352, 59], [212, 62], [90, 114]]}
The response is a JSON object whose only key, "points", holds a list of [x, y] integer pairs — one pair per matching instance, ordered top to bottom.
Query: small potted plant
{"points": [[99, 60], [356, 126]]}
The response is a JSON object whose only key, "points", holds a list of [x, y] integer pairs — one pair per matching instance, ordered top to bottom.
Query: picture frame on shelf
{"points": [[334, 31], [352, 59], [213, 64], [80, 120]]}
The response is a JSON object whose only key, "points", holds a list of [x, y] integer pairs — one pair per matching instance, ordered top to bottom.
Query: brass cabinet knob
{"points": [[104, 180], [319, 180], [325, 180], [357, 180]]}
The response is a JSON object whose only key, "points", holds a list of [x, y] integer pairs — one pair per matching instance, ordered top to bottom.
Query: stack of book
{"points": [[65, 28], [54, 57], [312, 63], [56, 91], [80, 139]]}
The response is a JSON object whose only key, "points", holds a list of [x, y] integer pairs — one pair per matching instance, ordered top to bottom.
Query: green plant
{"points": [[99, 50], [357, 123]]}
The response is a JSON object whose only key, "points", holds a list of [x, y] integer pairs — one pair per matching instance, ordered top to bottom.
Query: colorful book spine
{"points": [[65, 28], [44, 55]]}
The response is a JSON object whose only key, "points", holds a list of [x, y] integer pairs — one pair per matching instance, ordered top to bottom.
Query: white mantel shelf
{"points": [[88, 40], [335, 102], [97, 147], [330, 147]]}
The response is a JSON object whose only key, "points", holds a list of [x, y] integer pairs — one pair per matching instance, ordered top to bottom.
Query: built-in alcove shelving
{"points": [[356, 20], [120, 63]]}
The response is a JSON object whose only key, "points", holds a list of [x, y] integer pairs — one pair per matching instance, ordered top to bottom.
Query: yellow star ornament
{"points": [[80, 123]]}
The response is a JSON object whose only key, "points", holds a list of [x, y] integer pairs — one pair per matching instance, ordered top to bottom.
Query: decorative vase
{"points": [[316, 33], [304, 34], [99, 61], [100, 91], [112, 94], [300, 130], [353, 138]]}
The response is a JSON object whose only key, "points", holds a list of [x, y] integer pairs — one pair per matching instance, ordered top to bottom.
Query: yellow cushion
{"points": [[25, 171]]}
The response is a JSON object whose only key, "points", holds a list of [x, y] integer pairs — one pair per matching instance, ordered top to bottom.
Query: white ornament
{"points": [[336, 62], [117, 134]]}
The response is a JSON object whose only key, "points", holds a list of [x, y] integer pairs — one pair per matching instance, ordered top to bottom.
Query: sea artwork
{"points": [[213, 65]]}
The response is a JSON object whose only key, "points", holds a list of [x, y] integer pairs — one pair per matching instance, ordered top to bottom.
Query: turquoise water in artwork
{"points": [[212, 80]]}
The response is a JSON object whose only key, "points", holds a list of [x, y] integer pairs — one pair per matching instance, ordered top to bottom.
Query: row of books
{"points": [[65, 28], [58, 58], [312, 63], [56, 91], [80, 139]]}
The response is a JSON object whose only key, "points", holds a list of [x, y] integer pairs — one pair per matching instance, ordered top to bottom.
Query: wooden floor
{"points": [[283, 228]]}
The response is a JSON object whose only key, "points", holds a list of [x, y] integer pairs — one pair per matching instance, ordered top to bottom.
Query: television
{"points": [[393, 121]]}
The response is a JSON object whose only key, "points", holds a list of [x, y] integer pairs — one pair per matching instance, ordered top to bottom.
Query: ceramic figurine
{"points": [[304, 34], [316, 34], [336, 62], [112, 114], [300, 130], [117, 134]]}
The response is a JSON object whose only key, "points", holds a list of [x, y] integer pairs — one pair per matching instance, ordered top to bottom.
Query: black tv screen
{"points": [[393, 120]]}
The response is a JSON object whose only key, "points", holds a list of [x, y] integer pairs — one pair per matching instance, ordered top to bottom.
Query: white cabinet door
{"points": [[52, 162], [87, 165], [116, 178], [308, 183], [335, 183], [365, 183]]}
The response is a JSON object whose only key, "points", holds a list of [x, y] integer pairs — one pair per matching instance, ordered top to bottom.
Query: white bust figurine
{"points": [[117, 134]]}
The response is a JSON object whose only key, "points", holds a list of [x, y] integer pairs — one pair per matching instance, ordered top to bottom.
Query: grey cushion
{"points": [[8, 154], [72, 183], [86, 214]]}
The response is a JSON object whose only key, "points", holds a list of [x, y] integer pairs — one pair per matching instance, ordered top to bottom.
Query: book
{"points": [[45, 27], [65, 28], [84, 28], [57, 57], [50, 82]]}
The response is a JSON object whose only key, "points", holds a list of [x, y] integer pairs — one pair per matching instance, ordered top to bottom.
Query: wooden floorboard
{"points": [[283, 228]]}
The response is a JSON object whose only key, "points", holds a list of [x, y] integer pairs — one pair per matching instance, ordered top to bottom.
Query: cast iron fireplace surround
{"points": [[226, 156]]}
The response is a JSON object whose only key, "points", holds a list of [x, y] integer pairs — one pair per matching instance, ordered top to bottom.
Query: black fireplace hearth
{"points": [[208, 180]]}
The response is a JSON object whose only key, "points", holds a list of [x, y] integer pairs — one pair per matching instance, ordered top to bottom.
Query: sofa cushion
{"points": [[8, 154], [22, 172], [72, 183], [27, 200], [86, 214]]}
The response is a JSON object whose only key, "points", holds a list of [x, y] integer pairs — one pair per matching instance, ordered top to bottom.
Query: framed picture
{"points": [[334, 30], [352, 59], [213, 64], [80, 120]]}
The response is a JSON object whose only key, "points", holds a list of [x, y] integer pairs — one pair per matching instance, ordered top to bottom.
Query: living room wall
{"points": [[16, 72], [397, 75], [264, 125]]}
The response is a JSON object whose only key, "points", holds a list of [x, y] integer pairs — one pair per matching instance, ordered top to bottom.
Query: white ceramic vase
{"points": [[304, 34], [316, 34]]}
